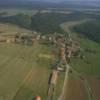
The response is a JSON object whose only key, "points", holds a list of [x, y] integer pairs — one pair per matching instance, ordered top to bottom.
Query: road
{"points": [[63, 94]]}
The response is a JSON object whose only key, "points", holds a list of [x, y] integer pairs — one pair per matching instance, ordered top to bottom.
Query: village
{"points": [[25, 38]]}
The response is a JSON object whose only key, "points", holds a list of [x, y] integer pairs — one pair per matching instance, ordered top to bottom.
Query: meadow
{"points": [[12, 29]]}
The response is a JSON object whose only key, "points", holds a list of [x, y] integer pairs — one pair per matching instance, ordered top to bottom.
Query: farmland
{"points": [[11, 29], [93, 58], [88, 67], [24, 70], [21, 77], [76, 90]]}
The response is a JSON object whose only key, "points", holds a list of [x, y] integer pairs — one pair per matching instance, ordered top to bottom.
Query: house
{"points": [[2, 38], [10, 38]]}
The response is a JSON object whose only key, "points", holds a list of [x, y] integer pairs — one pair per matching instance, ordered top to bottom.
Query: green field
{"points": [[12, 29], [90, 64], [23, 75]]}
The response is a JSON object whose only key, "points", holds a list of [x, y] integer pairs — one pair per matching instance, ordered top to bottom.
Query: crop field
{"points": [[11, 29], [23, 75], [76, 90]]}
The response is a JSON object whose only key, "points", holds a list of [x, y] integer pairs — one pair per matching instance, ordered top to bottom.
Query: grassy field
{"points": [[11, 29], [90, 64], [23, 75]]}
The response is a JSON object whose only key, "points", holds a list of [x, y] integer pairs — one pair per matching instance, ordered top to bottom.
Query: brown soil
{"points": [[95, 86], [76, 91]]}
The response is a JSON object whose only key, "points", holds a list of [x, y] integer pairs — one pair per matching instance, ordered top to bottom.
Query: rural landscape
{"points": [[49, 50]]}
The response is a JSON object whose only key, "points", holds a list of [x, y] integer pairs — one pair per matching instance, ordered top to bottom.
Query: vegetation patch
{"points": [[43, 22], [89, 29], [45, 56]]}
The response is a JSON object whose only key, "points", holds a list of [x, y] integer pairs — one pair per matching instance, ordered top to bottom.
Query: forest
{"points": [[42, 22], [89, 29]]}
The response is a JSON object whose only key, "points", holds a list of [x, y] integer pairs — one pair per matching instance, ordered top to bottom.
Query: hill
{"points": [[43, 22], [89, 29]]}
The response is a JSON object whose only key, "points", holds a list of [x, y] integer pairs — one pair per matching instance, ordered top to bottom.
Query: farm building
{"points": [[2, 38], [8, 38]]}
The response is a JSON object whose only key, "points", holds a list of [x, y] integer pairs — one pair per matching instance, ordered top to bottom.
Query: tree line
{"points": [[42, 22], [89, 29]]}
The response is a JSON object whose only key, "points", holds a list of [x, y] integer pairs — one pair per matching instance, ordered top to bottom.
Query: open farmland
{"points": [[9, 28], [24, 70], [23, 75], [76, 90]]}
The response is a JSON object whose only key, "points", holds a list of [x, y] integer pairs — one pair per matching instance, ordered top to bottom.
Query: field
{"points": [[11, 29], [88, 67], [24, 70], [23, 75], [76, 90]]}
